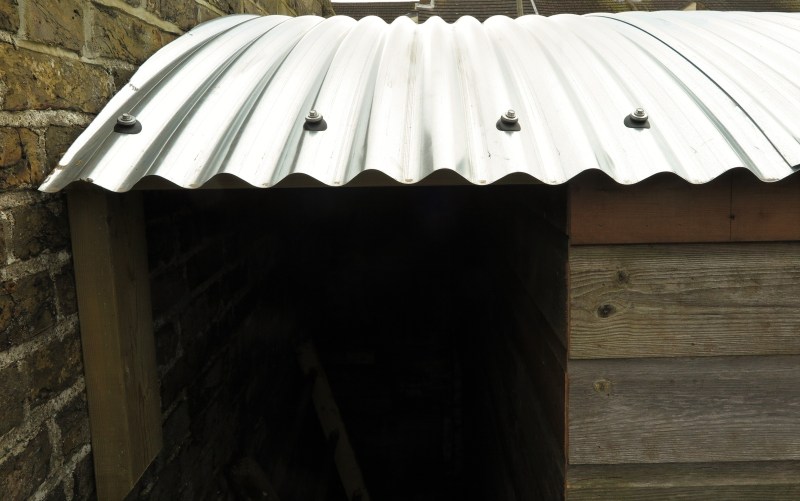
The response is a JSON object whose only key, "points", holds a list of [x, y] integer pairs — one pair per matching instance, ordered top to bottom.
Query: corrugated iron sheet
{"points": [[403, 101]]}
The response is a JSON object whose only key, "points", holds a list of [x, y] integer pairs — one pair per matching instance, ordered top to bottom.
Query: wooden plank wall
{"points": [[684, 343], [524, 354]]}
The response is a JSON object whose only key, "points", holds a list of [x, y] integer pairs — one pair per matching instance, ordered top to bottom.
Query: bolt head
{"points": [[639, 115], [313, 116], [509, 117], [126, 120]]}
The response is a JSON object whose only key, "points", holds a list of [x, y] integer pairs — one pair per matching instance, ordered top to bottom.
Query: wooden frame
{"points": [[736, 207], [113, 289]]}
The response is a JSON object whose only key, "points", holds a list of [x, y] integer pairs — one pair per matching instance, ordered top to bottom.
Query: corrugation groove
{"points": [[406, 101]]}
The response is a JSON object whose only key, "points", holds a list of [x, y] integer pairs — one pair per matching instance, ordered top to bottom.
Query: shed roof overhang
{"points": [[407, 103]]}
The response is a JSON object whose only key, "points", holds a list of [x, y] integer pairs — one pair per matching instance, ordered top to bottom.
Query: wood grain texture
{"points": [[662, 209], [765, 211], [113, 289], [685, 300], [684, 410], [758, 481]]}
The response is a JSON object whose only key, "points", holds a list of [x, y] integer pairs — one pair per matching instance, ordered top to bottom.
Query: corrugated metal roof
{"points": [[388, 11], [403, 100]]}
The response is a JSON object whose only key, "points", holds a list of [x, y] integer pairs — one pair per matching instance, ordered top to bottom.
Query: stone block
{"points": [[226, 6], [250, 7], [180, 12], [205, 14], [9, 15], [56, 23], [117, 35], [36, 81], [57, 140], [21, 159], [38, 228], [65, 291], [26, 308], [167, 340], [54, 368], [11, 398], [73, 420], [25, 472], [83, 480], [56, 494]]}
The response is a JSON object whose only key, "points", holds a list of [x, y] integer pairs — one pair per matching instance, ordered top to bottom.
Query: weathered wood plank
{"points": [[662, 209], [765, 211], [113, 289], [685, 300], [684, 410], [773, 480], [698, 481]]}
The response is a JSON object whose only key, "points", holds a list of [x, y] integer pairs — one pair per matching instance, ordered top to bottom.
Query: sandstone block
{"points": [[180, 12], [205, 14], [9, 17], [57, 23], [120, 36], [35, 81], [57, 140], [21, 159], [38, 228], [65, 291], [26, 308], [54, 368], [11, 399], [73, 420], [24, 473], [83, 479], [56, 494]]}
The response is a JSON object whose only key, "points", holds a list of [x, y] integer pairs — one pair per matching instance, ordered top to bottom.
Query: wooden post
{"points": [[113, 288]]}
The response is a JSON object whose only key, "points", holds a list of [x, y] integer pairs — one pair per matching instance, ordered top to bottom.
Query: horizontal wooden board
{"points": [[666, 209], [765, 211], [684, 300], [684, 410], [758, 481]]}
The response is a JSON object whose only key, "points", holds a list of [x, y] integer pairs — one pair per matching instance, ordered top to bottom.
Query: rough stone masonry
{"points": [[60, 62]]}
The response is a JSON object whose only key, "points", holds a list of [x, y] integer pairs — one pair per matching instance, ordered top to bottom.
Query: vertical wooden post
{"points": [[113, 288]]}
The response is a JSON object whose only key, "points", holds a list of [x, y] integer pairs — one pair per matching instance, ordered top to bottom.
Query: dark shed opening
{"points": [[422, 306]]}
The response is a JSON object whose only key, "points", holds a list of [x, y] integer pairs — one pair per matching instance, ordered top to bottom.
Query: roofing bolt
{"points": [[639, 115], [314, 117], [509, 117], [126, 120]]}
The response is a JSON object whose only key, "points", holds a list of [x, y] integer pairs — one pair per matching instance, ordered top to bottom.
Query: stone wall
{"points": [[61, 62]]}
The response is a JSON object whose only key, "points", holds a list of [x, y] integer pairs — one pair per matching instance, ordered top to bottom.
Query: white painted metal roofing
{"points": [[230, 97]]}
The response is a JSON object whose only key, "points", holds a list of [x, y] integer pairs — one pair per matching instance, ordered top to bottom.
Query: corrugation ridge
{"points": [[704, 74], [454, 83], [344, 96], [230, 133], [164, 138], [88, 151]]}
